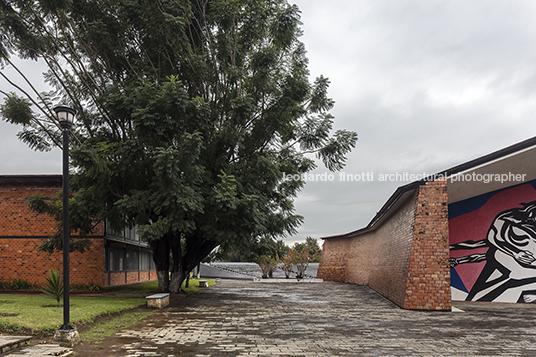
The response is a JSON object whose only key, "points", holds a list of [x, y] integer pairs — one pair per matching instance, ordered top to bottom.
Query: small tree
{"points": [[311, 244], [282, 248], [300, 260], [285, 264], [267, 265], [54, 285]]}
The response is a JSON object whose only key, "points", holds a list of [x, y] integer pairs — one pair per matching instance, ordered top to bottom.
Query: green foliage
{"points": [[16, 110], [191, 113], [52, 206], [310, 245], [249, 250], [299, 260], [286, 264], [267, 265], [17, 284], [54, 285], [194, 286], [85, 287], [35, 312], [109, 327]]}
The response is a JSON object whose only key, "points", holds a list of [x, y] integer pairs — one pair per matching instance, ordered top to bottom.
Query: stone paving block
{"points": [[325, 319], [41, 350]]}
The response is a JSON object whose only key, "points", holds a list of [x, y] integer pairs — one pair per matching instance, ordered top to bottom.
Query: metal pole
{"points": [[66, 305]]}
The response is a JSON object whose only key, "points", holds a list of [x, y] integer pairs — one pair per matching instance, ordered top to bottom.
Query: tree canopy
{"points": [[190, 116]]}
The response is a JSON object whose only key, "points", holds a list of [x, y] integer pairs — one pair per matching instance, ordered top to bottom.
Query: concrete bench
{"points": [[203, 283], [158, 300]]}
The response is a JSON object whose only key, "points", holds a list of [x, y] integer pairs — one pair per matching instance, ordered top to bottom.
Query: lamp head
{"points": [[65, 116]]}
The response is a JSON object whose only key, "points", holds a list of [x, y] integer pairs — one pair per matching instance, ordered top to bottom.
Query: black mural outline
{"points": [[511, 231]]}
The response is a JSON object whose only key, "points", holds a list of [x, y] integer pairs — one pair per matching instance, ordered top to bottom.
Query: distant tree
{"points": [[196, 119], [310, 245], [282, 247], [248, 251], [299, 261], [286, 264], [267, 265]]}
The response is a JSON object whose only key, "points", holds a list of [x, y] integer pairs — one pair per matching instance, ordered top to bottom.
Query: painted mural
{"points": [[493, 246]]}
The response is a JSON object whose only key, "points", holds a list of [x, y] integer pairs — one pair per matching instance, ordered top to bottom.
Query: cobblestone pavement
{"points": [[239, 318], [40, 351]]}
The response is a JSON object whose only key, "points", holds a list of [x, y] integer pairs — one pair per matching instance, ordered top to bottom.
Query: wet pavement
{"points": [[242, 318]]}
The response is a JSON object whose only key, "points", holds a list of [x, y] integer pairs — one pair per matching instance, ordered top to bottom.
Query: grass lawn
{"points": [[194, 286], [40, 314], [109, 327]]}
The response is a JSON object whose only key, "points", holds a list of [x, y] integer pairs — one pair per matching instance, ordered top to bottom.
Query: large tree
{"points": [[192, 116]]}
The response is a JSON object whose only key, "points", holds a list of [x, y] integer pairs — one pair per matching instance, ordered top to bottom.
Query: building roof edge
{"points": [[400, 191]]}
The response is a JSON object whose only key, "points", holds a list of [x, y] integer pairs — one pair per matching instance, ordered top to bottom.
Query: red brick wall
{"points": [[16, 219], [22, 231], [386, 253], [19, 259], [405, 259], [332, 266], [118, 277], [132, 277], [115, 278], [428, 283]]}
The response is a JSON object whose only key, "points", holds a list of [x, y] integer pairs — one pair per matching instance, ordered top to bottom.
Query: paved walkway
{"points": [[238, 318], [40, 351]]}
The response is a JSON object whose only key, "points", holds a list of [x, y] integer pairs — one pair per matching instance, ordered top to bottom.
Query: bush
{"points": [[300, 260], [285, 264], [267, 265], [17, 284], [54, 285], [85, 287]]}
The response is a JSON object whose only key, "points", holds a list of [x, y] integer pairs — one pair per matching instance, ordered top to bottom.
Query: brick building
{"points": [[468, 233], [114, 258]]}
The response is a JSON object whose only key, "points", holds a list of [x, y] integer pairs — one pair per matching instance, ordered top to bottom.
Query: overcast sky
{"points": [[426, 84]]}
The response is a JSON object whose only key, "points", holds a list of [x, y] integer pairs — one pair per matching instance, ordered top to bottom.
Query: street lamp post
{"points": [[66, 335]]}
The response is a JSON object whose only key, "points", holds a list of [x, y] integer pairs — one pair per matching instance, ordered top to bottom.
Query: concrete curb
{"points": [[10, 343]]}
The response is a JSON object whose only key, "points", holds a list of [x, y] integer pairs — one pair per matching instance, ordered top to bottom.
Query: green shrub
{"points": [[300, 260], [285, 264], [267, 265], [17, 284], [54, 285], [85, 287]]}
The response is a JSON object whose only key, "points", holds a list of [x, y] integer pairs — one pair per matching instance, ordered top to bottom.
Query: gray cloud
{"points": [[426, 85]]}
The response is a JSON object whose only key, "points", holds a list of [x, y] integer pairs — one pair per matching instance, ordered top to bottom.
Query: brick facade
{"points": [[16, 219], [22, 231], [405, 258], [19, 259], [332, 266], [128, 277], [428, 283]]}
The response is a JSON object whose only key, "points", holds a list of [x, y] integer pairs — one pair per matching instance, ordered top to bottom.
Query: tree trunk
{"points": [[161, 261], [182, 264], [177, 272], [163, 280], [176, 281]]}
